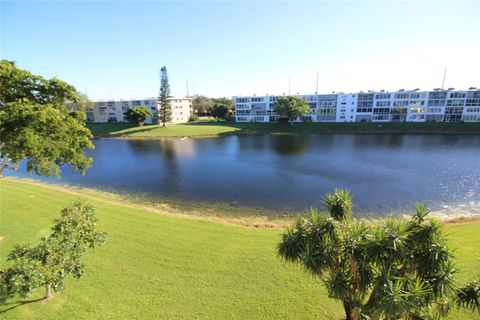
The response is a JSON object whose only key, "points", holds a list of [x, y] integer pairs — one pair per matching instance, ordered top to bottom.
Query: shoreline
{"points": [[213, 129], [254, 133], [206, 136], [254, 218]]}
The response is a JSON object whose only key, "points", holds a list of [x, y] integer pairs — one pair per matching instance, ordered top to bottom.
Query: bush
{"points": [[219, 111], [229, 117], [193, 118]]}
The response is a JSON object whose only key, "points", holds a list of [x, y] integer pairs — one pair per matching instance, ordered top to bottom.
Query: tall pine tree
{"points": [[165, 110]]}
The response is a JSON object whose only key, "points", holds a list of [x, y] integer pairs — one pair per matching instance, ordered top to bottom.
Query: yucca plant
{"points": [[388, 269], [469, 295]]}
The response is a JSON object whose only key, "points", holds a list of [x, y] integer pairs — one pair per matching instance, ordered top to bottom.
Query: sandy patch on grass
{"points": [[159, 208], [207, 213]]}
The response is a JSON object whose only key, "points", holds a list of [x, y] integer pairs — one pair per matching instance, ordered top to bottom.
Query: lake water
{"points": [[385, 173]]}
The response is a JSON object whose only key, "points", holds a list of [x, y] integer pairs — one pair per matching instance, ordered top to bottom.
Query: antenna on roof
{"points": [[444, 75], [186, 80], [316, 91]]}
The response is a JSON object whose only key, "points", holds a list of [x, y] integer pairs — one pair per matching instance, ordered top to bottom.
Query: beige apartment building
{"points": [[181, 109], [112, 110]]}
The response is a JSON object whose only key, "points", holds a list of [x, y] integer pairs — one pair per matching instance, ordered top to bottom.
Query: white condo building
{"points": [[400, 106], [112, 110]]}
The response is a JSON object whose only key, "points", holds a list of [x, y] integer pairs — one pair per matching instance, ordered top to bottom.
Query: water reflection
{"points": [[290, 144], [385, 172]]}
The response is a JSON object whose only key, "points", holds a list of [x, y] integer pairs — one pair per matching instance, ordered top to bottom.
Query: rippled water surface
{"points": [[385, 172]]}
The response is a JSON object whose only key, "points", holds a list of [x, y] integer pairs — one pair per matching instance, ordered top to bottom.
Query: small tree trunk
{"points": [[48, 292], [348, 310]]}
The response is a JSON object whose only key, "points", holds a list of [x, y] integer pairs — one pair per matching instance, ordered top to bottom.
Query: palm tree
{"points": [[387, 269]]}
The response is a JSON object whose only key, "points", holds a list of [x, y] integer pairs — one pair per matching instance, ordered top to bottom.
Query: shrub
{"points": [[229, 117], [193, 118]]}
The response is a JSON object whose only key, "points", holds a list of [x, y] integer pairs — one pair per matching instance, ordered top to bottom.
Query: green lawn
{"points": [[215, 128], [154, 266]]}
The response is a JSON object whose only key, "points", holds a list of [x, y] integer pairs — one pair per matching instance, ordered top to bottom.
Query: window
{"points": [[437, 95], [458, 95], [380, 96], [402, 96], [415, 96], [436, 102], [455, 102], [472, 102], [383, 103], [363, 110], [381, 110], [453, 110], [473, 110]]}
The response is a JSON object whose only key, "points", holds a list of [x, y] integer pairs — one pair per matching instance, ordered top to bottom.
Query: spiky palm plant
{"points": [[339, 204], [388, 269], [469, 295]]}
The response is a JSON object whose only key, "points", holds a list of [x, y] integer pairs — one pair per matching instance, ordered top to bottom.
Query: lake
{"points": [[385, 172]]}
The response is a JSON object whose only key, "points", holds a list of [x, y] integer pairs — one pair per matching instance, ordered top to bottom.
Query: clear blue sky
{"points": [[115, 49]]}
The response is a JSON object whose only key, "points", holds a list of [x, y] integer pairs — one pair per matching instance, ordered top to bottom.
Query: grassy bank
{"points": [[214, 128], [157, 266]]}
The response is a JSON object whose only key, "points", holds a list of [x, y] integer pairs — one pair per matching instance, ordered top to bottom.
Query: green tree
{"points": [[224, 101], [202, 105], [291, 107], [222, 108], [165, 110], [219, 111], [138, 115], [39, 124], [57, 256], [391, 269]]}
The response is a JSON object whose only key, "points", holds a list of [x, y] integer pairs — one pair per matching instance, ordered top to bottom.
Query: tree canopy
{"points": [[227, 102], [202, 105], [290, 107], [222, 108], [219, 111], [138, 115], [39, 124], [55, 257], [389, 269]]}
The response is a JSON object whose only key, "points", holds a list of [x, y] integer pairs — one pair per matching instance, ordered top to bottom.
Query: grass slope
{"points": [[214, 128], [154, 266]]}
